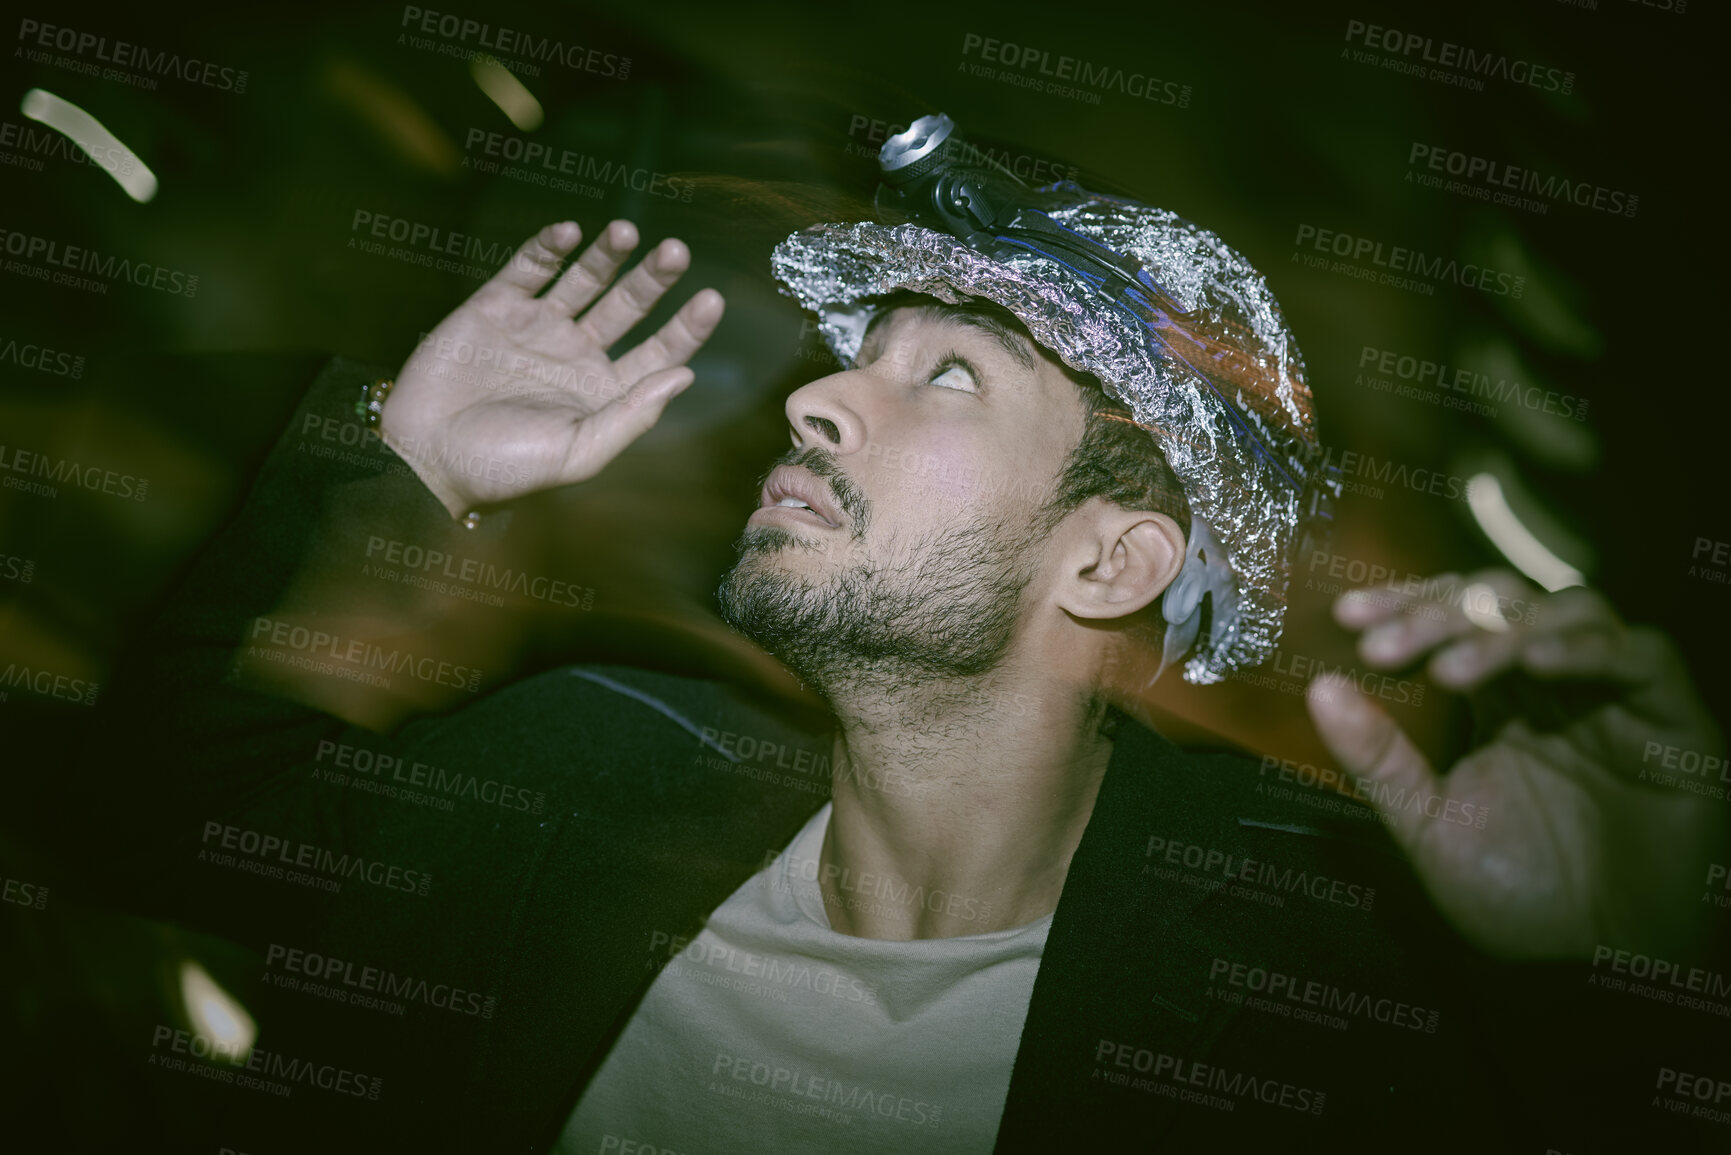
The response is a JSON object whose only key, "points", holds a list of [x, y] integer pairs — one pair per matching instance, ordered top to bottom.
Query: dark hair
{"points": [[1118, 460]]}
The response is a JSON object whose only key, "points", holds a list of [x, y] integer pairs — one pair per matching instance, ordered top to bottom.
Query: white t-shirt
{"points": [[770, 1032]]}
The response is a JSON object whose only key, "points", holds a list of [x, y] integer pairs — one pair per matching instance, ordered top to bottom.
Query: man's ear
{"points": [[1116, 560]]}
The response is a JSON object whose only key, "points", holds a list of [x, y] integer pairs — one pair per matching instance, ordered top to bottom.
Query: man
{"points": [[1019, 922]]}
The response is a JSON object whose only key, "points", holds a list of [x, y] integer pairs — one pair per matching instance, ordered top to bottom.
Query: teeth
{"points": [[793, 501]]}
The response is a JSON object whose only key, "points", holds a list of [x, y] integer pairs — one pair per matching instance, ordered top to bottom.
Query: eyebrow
{"points": [[1012, 342]]}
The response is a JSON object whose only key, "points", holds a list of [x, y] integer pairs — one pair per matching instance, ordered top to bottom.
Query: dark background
{"points": [[761, 107]]}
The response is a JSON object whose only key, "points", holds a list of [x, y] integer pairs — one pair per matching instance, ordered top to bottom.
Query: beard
{"points": [[946, 612]]}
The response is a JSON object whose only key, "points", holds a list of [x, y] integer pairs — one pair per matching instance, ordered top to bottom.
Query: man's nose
{"points": [[819, 414]]}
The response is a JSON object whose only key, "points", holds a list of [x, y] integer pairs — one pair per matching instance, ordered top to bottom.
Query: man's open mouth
{"points": [[802, 493]]}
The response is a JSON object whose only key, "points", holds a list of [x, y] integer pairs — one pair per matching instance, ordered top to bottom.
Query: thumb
{"points": [[620, 422], [1371, 747]]}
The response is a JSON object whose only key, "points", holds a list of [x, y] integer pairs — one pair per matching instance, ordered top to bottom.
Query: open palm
{"points": [[515, 390]]}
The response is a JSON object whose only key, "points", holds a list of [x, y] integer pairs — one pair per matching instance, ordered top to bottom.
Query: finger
{"points": [[536, 261], [595, 269], [629, 301], [675, 342], [605, 434], [1445, 608], [1479, 655], [1372, 748]]}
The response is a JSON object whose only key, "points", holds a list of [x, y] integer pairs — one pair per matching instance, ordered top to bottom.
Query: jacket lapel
{"points": [[1126, 963]]}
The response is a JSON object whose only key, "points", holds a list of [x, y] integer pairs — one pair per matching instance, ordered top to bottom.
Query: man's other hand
{"points": [[1592, 769]]}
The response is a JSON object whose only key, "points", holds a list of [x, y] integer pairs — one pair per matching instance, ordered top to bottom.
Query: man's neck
{"points": [[957, 807]]}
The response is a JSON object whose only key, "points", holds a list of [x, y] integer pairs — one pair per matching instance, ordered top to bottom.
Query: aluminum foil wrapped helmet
{"points": [[1172, 322]]}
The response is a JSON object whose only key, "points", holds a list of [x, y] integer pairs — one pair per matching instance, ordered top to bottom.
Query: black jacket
{"points": [[597, 813]]}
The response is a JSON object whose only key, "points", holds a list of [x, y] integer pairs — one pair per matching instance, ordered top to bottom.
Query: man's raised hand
{"points": [[515, 391], [1585, 842]]}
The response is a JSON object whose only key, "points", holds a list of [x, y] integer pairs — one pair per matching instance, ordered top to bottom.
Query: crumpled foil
{"points": [[835, 270]]}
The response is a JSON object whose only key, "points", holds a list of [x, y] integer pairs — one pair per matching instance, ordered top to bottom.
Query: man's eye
{"points": [[956, 376]]}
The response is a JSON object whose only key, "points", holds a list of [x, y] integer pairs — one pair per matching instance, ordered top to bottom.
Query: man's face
{"points": [[897, 538]]}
